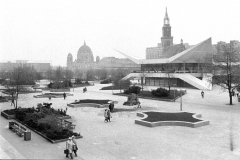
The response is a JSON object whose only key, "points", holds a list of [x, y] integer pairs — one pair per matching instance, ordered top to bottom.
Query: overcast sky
{"points": [[50, 29]]}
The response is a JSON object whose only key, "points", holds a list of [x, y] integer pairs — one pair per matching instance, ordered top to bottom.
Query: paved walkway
{"points": [[123, 139]]}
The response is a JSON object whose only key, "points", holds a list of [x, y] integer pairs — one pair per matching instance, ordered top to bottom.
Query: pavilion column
{"points": [[184, 67], [198, 67]]}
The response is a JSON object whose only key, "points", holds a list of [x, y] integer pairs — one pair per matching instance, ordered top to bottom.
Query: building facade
{"points": [[233, 43], [85, 61], [41, 67]]}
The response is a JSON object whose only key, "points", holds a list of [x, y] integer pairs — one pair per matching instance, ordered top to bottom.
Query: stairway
{"points": [[200, 84], [203, 85]]}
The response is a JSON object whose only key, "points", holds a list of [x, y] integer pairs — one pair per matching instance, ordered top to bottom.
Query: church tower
{"points": [[167, 39], [69, 60]]}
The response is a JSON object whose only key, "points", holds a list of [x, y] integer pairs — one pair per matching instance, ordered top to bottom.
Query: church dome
{"points": [[85, 54]]}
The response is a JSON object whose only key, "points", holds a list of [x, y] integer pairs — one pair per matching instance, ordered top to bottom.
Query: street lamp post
{"points": [[112, 87], [180, 98]]}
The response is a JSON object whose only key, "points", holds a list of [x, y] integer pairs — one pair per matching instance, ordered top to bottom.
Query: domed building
{"points": [[85, 54], [85, 62]]}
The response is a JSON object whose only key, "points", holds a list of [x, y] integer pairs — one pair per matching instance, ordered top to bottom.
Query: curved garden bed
{"points": [[60, 90], [53, 95], [91, 103], [153, 119]]}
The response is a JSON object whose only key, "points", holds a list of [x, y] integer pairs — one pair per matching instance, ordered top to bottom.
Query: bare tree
{"points": [[225, 67], [169, 72], [49, 73], [59, 73], [78, 73], [68, 74], [89, 74], [21, 76], [143, 78]]}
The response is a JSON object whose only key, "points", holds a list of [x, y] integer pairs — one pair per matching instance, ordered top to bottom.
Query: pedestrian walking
{"points": [[84, 90], [202, 93], [64, 95], [50, 96], [12, 102], [138, 103], [112, 106], [105, 115], [109, 115], [69, 147], [75, 148]]}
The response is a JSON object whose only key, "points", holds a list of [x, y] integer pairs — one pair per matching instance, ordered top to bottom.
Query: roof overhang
{"points": [[194, 54]]}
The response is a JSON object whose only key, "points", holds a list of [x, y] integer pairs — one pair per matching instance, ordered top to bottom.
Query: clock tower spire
{"points": [[167, 39]]}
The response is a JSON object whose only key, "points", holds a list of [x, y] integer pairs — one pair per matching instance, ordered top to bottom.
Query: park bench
{"points": [[70, 124], [14, 126], [20, 131]]}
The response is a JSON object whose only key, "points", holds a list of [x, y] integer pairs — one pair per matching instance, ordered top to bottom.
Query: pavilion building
{"points": [[182, 66]]}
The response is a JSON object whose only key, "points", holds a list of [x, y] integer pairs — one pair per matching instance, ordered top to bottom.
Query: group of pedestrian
{"points": [[71, 147]]}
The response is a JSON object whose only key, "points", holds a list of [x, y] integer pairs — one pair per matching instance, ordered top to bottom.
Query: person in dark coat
{"points": [[202, 93], [64, 95], [50, 96], [111, 106]]}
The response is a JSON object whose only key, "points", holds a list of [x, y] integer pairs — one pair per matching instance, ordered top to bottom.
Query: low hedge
{"points": [[106, 81], [133, 89]]}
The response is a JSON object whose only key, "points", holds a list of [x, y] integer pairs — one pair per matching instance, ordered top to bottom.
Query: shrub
{"points": [[78, 81], [57, 85], [133, 89], [160, 92], [20, 115], [43, 126]]}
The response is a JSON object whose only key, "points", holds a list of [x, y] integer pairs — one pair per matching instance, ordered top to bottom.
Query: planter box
{"points": [[60, 90], [52, 96], [88, 105], [5, 115], [65, 117], [50, 140]]}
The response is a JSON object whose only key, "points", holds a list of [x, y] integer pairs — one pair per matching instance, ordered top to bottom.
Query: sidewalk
{"points": [[123, 139]]}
